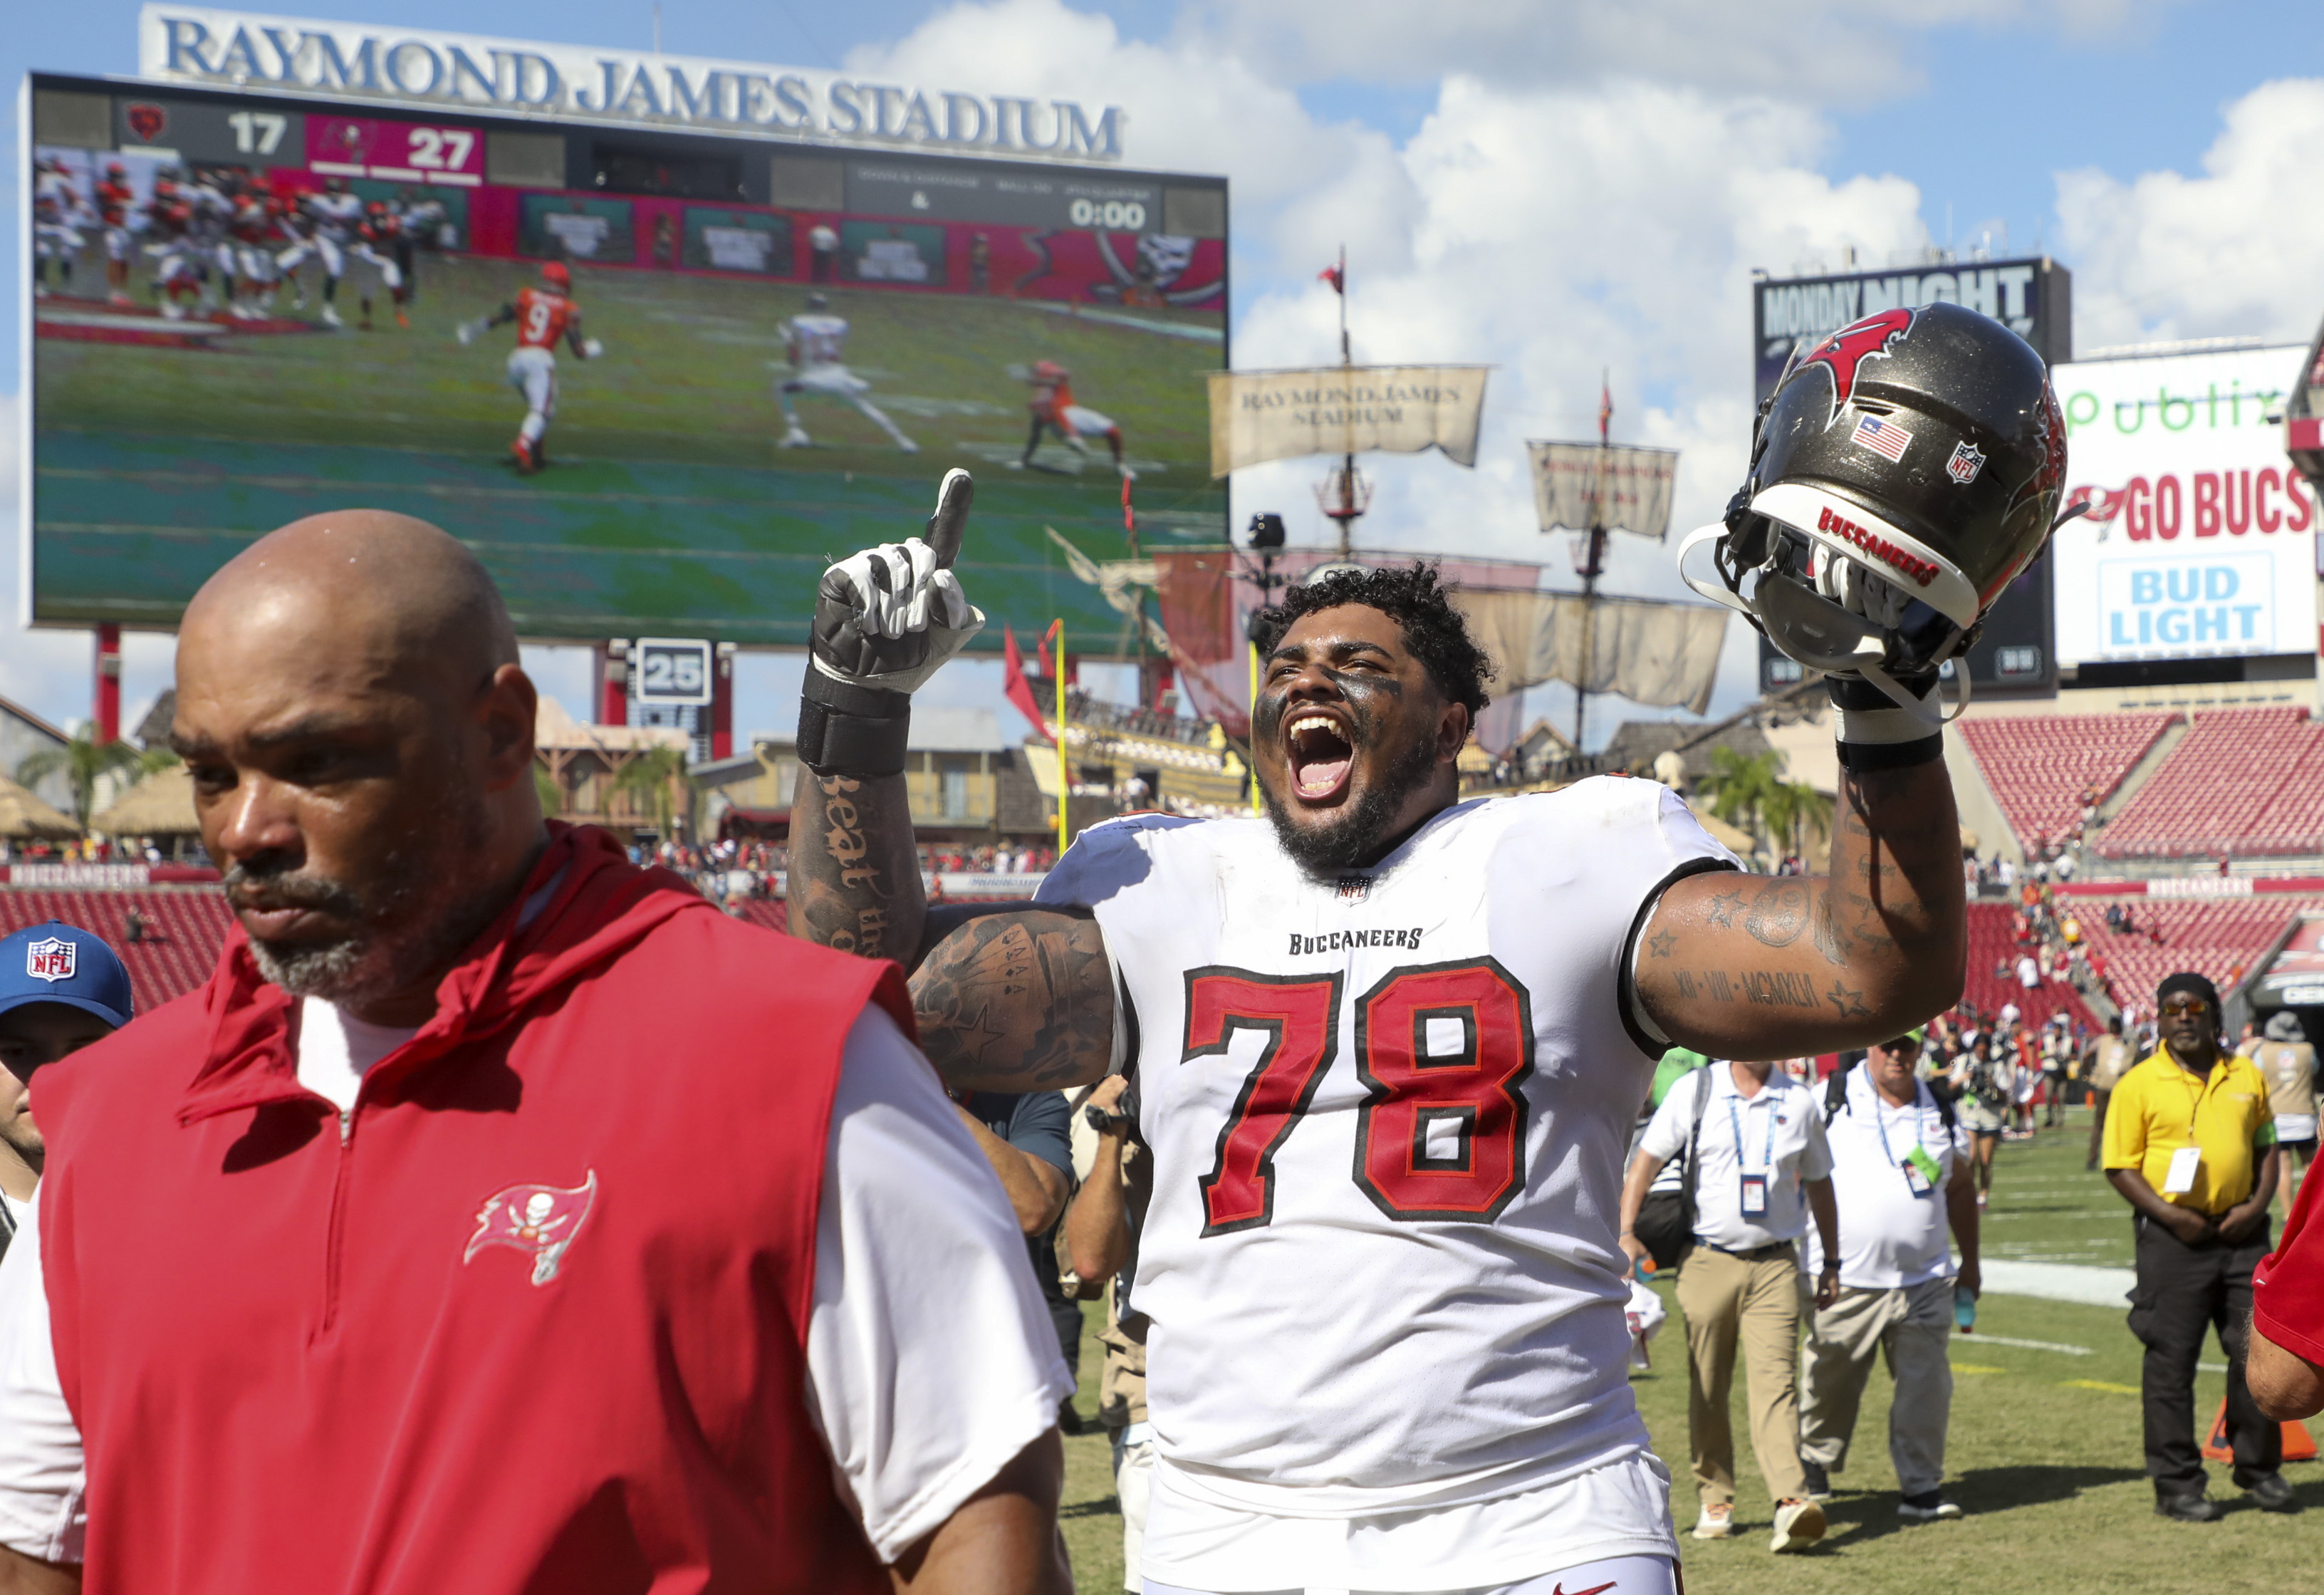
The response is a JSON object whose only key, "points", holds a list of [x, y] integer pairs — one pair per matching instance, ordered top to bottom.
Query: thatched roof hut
{"points": [[162, 805], [23, 817]]}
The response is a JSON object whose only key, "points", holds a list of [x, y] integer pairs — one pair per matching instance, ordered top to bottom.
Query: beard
{"points": [[1354, 838], [414, 916]]}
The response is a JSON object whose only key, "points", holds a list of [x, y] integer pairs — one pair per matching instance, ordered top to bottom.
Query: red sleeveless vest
{"points": [[535, 1323]]}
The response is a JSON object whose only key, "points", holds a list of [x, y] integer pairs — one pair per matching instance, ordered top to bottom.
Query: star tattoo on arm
{"points": [[1723, 909], [1661, 943], [1849, 1003]]}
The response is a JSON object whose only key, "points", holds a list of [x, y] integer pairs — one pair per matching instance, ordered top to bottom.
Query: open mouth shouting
{"points": [[1321, 750]]}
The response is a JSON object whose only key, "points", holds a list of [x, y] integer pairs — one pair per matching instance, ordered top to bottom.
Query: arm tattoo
{"points": [[854, 872], [1778, 915], [1774, 988], [1020, 1001]]}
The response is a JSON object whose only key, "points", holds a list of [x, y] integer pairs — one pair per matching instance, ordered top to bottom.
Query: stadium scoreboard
{"points": [[244, 308], [2016, 646]]}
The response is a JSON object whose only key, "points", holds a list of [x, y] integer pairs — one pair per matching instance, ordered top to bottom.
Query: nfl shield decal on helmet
{"points": [[1968, 460], [51, 959], [542, 1220]]}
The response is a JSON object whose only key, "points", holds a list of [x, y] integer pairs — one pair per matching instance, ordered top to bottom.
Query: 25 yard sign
{"points": [[671, 670]]}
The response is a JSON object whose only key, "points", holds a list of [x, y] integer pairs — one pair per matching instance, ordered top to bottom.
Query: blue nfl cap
{"points": [[61, 963]]}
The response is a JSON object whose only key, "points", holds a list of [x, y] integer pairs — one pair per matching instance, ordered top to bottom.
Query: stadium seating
{"points": [[2039, 766], [2245, 783], [184, 930], [2219, 937], [1992, 940]]}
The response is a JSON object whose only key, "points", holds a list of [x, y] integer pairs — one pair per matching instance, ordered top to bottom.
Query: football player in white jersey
{"points": [[331, 218], [56, 231], [816, 343], [1387, 1046]]}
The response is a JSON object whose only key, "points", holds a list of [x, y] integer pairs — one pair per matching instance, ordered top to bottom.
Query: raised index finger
{"points": [[947, 525]]}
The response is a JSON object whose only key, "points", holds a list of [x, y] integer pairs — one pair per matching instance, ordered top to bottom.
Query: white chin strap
{"points": [[1851, 607]]}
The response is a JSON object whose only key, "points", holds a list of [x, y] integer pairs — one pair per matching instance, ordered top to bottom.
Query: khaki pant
{"points": [[1724, 1297], [1912, 1325]]}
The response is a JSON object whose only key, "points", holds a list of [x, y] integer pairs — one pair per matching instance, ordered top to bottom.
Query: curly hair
{"points": [[1418, 600]]}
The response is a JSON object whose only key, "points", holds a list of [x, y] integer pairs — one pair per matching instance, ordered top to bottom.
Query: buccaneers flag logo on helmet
{"points": [[1845, 350]]}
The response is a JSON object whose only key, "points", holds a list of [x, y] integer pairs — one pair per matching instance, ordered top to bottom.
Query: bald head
{"points": [[394, 586], [360, 736]]}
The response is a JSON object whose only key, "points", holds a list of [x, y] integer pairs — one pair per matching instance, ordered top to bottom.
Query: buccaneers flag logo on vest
{"points": [[1848, 349], [542, 1220]]}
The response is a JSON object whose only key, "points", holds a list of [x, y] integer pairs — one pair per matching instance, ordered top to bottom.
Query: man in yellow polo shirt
{"points": [[2191, 1144]]}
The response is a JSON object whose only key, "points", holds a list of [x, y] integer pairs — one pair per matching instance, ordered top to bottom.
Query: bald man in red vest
{"points": [[500, 1217]]}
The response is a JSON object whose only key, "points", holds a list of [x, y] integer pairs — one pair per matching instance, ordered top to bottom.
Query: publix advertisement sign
{"points": [[2200, 539]]}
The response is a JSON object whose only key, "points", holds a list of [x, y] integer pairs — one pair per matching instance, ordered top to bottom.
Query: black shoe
{"points": [[1819, 1482], [2269, 1492], [2189, 1508]]}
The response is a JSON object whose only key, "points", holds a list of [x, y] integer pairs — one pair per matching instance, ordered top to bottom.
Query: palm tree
{"points": [[84, 760], [649, 778], [1752, 794]]}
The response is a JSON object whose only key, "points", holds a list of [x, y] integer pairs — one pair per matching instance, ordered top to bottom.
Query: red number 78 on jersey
{"points": [[1441, 1133]]}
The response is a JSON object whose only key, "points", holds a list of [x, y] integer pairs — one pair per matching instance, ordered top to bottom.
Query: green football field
{"points": [[667, 505], [2043, 1452]]}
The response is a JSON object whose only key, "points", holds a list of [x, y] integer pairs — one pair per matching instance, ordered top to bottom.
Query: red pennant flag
{"points": [[1337, 276], [1605, 407], [1019, 690]]}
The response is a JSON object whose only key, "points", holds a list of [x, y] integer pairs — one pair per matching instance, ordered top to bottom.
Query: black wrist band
{"points": [[850, 729], [1869, 756]]}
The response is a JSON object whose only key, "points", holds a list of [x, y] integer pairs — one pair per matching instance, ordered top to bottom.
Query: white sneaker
{"points": [[331, 316], [795, 438], [1716, 1523], [1798, 1525]]}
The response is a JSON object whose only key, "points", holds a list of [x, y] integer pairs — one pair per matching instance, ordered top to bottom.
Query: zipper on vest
{"points": [[331, 1244]]}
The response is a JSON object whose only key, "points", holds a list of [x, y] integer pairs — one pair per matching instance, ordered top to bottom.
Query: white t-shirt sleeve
{"points": [[1815, 1156], [931, 1358], [43, 1479]]}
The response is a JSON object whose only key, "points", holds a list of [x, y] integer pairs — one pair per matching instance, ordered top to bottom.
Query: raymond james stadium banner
{"points": [[421, 67], [1278, 415], [2200, 541]]}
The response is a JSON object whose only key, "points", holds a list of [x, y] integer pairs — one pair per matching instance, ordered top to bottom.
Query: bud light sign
{"points": [[2200, 540], [2219, 605]]}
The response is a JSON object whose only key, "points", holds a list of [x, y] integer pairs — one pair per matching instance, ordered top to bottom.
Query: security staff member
{"points": [[2191, 1144]]}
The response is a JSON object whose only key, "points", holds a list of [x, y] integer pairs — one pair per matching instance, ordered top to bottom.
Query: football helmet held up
{"points": [[1904, 472]]}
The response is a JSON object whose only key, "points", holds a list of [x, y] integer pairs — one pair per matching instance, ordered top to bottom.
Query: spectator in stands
{"points": [[60, 988], [2288, 1064], [2190, 1145], [1762, 1170], [1900, 1171], [1101, 1237]]}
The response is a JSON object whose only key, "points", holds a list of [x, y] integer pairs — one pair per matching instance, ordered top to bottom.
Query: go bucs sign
{"points": [[2201, 541]]}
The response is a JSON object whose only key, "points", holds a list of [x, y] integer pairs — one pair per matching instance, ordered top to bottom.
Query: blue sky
{"points": [[1521, 185]]}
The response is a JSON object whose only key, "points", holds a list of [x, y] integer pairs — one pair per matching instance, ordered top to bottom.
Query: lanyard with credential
{"points": [[1735, 1123], [1920, 1169], [1751, 1189]]}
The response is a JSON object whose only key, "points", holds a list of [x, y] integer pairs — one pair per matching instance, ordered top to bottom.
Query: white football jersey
{"points": [[821, 340], [1389, 1115]]}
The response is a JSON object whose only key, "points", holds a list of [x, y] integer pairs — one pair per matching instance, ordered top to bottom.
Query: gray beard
{"points": [[1354, 840], [417, 917]]}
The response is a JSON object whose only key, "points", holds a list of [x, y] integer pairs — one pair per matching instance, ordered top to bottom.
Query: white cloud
{"points": [[1816, 53], [1551, 228], [2235, 251]]}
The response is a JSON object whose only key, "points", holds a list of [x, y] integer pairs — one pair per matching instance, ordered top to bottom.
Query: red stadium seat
{"points": [[2040, 765], [2246, 783], [185, 927]]}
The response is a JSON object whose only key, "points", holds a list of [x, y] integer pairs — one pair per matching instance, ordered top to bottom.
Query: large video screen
{"points": [[657, 382]]}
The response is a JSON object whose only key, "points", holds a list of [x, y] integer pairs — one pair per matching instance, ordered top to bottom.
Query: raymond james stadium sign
{"points": [[237, 50]]}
